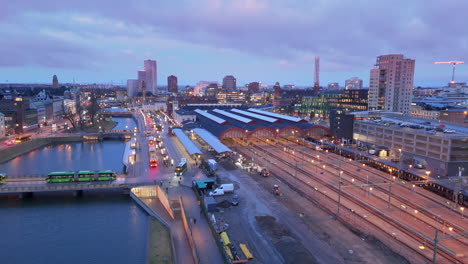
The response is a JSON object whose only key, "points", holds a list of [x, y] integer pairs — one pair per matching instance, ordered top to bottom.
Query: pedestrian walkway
{"points": [[205, 243], [208, 252]]}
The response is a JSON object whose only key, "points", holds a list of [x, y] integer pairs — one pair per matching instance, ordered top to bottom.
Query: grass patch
{"points": [[159, 244]]}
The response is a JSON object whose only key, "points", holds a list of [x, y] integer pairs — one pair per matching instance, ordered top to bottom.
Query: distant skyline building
{"points": [[151, 76], [141, 79], [55, 83], [229, 83], [353, 83], [172, 84], [391, 84], [333, 86], [132, 87], [253, 87], [200, 88]]}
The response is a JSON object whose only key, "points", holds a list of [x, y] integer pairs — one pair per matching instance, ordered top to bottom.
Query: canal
{"points": [[99, 227]]}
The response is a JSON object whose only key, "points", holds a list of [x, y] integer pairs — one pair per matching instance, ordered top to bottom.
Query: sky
{"points": [[106, 41]]}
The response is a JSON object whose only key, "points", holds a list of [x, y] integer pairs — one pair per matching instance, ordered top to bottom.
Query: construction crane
{"points": [[454, 64]]}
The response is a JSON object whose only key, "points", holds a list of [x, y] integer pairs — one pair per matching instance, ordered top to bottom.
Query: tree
{"points": [[93, 107], [71, 116]]}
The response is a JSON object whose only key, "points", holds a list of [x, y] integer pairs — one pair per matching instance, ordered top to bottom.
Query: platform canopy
{"points": [[275, 115], [211, 140], [186, 142]]}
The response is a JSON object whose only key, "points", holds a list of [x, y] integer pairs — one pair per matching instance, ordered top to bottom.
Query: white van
{"points": [[223, 188]]}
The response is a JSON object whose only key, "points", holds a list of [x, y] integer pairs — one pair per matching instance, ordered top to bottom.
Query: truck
{"points": [[212, 164], [223, 188]]}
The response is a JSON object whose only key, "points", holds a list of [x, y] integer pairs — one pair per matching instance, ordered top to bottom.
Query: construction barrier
{"points": [[225, 239], [228, 251], [246, 251]]}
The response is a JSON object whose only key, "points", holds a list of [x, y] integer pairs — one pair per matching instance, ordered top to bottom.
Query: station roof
{"points": [[275, 115], [210, 116], [257, 116], [237, 117], [212, 140], [186, 142]]}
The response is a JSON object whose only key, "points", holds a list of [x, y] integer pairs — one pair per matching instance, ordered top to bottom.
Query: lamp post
{"points": [[427, 174], [339, 193], [462, 209]]}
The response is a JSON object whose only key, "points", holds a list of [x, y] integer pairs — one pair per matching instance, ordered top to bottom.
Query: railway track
{"points": [[307, 188], [455, 231]]}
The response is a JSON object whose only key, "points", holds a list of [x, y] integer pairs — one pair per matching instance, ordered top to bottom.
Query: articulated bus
{"points": [[22, 138], [181, 168], [80, 176], [2, 178]]}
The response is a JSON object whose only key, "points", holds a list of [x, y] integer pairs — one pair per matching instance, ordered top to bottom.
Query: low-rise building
{"points": [[2, 126], [439, 148]]}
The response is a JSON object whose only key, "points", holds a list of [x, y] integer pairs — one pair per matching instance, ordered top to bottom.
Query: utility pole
{"points": [[339, 195], [389, 195], [435, 246]]}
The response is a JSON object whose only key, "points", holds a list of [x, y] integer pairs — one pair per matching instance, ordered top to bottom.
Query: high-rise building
{"points": [[151, 76], [141, 79], [55, 83], [229, 83], [172, 84], [353, 84], [391, 84], [253, 87], [132, 88], [211, 89], [277, 90]]}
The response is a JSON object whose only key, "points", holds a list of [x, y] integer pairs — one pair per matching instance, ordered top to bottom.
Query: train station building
{"points": [[246, 123]]}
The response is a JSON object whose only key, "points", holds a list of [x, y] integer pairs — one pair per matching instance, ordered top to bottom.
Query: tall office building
{"points": [[151, 76], [141, 79], [55, 83], [229, 83], [172, 84], [353, 84], [391, 84], [132, 88]]}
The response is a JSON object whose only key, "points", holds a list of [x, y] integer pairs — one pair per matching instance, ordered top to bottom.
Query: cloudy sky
{"points": [[254, 40]]}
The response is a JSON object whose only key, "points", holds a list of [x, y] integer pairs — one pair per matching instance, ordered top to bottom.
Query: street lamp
{"points": [[427, 173], [462, 209]]}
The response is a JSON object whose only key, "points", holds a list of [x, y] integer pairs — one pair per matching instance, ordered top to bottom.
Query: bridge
{"points": [[117, 113], [122, 134], [34, 185]]}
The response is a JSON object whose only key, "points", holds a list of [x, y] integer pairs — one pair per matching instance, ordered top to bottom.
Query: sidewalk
{"points": [[207, 249]]}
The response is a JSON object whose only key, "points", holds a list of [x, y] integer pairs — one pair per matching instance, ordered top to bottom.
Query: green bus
{"points": [[181, 168], [106, 175], [63, 176], [80, 176], [2, 178]]}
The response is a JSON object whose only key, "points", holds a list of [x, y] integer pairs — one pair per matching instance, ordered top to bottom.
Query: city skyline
{"points": [[251, 40]]}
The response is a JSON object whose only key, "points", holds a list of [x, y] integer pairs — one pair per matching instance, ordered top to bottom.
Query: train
{"points": [[444, 189]]}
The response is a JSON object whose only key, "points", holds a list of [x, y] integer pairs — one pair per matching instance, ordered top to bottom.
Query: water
{"points": [[124, 123], [105, 155], [100, 227], [59, 228]]}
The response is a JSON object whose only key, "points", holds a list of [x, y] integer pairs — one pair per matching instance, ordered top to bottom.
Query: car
{"points": [[234, 199]]}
